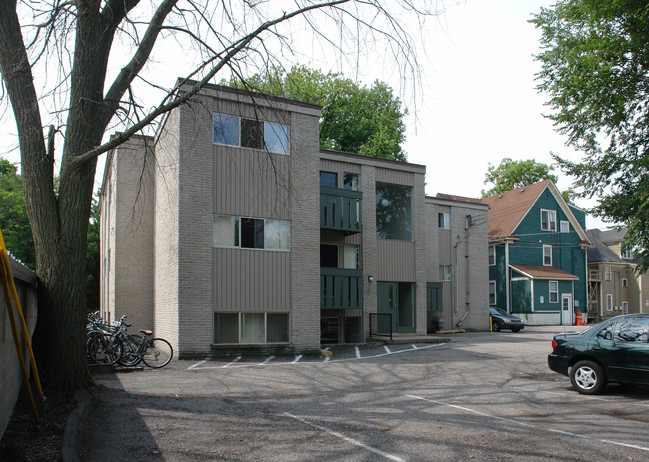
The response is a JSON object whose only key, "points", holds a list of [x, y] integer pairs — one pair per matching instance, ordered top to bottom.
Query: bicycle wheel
{"points": [[104, 348], [157, 353], [131, 355]]}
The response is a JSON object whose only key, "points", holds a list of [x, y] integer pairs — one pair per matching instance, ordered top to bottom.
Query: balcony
{"points": [[340, 209], [594, 275], [341, 289]]}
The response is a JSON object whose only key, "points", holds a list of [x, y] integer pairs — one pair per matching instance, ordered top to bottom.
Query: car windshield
{"points": [[498, 311]]}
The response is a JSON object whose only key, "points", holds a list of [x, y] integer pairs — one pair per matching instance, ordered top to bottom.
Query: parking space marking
{"points": [[387, 349], [358, 352], [267, 360], [201, 365], [567, 393], [524, 424], [346, 438]]}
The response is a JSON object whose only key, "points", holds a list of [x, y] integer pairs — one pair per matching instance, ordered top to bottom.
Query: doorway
{"points": [[397, 299], [566, 309]]}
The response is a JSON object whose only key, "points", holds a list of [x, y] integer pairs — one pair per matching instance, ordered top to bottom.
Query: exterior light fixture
{"points": [[370, 278]]}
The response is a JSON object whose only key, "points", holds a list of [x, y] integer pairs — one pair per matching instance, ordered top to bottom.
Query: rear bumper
{"points": [[558, 363]]}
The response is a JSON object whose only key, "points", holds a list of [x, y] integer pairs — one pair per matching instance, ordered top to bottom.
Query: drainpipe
{"points": [[469, 223]]}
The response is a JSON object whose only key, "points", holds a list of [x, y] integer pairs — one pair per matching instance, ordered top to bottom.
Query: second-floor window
{"points": [[249, 133], [329, 179], [350, 181], [393, 212], [444, 220], [548, 220], [251, 233], [625, 253], [492, 255], [547, 255], [444, 272], [607, 273]]}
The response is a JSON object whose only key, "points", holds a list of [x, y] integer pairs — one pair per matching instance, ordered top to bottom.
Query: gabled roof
{"points": [[507, 210], [600, 252], [543, 272]]}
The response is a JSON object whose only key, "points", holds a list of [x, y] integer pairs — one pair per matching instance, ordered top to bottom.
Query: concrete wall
{"points": [[11, 377]]}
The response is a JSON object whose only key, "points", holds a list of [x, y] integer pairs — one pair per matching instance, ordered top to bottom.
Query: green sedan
{"points": [[616, 350]]}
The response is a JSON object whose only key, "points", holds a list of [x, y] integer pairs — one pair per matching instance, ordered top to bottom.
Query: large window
{"points": [[249, 133], [393, 212], [548, 220], [251, 233], [547, 255], [554, 291], [492, 292], [251, 327]]}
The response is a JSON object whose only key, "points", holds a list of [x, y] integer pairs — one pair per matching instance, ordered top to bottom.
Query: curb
{"points": [[71, 444]]}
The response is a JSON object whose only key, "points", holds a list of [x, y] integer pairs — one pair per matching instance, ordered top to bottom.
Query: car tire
{"points": [[495, 326], [516, 329], [587, 377]]}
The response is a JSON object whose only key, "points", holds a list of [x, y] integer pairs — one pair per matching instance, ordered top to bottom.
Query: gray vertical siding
{"points": [[396, 261]]}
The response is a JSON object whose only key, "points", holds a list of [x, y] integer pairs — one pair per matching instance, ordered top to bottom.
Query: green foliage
{"points": [[595, 69], [356, 119], [512, 174], [15, 227], [92, 259]]}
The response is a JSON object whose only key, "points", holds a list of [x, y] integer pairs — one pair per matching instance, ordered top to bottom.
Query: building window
{"points": [[250, 133], [329, 179], [350, 181], [393, 212], [444, 220], [548, 220], [565, 226], [251, 233], [625, 253], [492, 255], [547, 255], [350, 256], [444, 272], [607, 273], [625, 282], [554, 291], [492, 292], [609, 302], [625, 308], [251, 328]]}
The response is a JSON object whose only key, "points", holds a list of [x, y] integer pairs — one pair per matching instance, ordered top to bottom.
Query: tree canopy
{"points": [[595, 70], [355, 118], [512, 174], [14, 223]]}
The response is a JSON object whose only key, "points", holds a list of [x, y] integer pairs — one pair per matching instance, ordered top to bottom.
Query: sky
{"points": [[477, 102]]}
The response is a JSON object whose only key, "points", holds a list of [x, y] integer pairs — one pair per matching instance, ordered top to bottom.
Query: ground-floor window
{"points": [[251, 328]]}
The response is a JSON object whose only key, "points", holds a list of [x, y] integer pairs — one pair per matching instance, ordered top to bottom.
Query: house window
{"points": [[250, 133], [329, 179], [350, 181], [393, 212], [444, 220], [548, 220], [565, 226], [251, 233], [625, 253], [492, 255], [547, 255], [350, 256], [444, 272], [607, 273], [625, 282], [554, 291], [492, 292], [609, 302], [625, 308], [251, 328]]}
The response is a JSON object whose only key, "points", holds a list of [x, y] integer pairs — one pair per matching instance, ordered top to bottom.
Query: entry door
{"points": [[398, 300], [566, 309]]}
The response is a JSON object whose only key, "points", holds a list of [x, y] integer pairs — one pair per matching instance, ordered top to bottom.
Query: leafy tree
{"points": [[82, 65], [595, 70], [355, 118], [512, 174], [14, 224], [92, 259]]}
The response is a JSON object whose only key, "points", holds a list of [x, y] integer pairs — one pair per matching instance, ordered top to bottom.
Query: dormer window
{"points": [[548, 220]]}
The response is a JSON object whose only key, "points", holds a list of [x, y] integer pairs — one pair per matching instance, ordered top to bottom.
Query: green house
{"points": [[537, 255]]}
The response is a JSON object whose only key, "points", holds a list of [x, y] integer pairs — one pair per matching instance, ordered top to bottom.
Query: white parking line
{"points": [[387, 349], [358, 352], [297, 359], [267, 360], [233, 361], [197, 364], [585, 397], [524, 424], [346, 438]]}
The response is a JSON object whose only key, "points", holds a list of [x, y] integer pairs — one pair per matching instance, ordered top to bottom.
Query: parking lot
{"points": [[482, 396]]}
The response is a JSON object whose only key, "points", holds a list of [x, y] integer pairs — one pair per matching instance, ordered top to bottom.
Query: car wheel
{"points": [[495, 326], [516, 329], [587, 377]]}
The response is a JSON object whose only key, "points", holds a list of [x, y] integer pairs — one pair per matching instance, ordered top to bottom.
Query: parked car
{"points": [[500, 319], [616, 350]]}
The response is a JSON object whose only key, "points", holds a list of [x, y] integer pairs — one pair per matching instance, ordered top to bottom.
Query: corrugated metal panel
{"points": [[395, 177], [251, 183], [396, 261], [251, 280]]}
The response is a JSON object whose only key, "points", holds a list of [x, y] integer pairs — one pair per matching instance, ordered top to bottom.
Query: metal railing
{"points": [[340, 209], [341, 288], [381, 324]]}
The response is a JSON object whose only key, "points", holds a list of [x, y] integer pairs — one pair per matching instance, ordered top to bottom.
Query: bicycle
{"points": [[102, 346], [154, 352]]}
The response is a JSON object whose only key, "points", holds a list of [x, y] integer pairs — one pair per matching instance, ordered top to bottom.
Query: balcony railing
{"points": [[340, 209], [594, 275], [341, 289]]}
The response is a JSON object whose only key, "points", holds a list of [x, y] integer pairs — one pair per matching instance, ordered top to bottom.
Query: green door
{"points": [[397, 299]]}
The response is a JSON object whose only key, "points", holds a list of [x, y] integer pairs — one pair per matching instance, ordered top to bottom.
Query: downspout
{"points": [[469, 223]]}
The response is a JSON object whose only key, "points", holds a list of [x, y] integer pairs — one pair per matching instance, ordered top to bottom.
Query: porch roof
{"points": [[544, 272]]}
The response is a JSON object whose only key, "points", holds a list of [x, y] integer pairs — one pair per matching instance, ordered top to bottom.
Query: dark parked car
{"points": [[501, 320], [616, 350]]}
